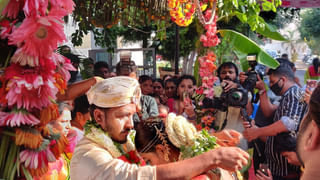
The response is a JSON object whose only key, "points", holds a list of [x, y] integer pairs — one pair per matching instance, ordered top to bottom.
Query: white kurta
{"points": [[92, 161]]}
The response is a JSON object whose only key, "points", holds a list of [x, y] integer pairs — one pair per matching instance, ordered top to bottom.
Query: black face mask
{"points": [[276, 89]]}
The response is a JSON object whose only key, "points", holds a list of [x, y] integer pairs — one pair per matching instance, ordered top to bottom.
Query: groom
{"points": [[105, 152]]}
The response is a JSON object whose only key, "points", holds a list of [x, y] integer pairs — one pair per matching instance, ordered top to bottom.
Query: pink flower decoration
{"points": [[67, 5], [33, 7], [12, 9], [6, 28], [38, 36], [210, 39], [23, 59], [63, 65], [45, 70], [31, 87], [209, 92], [26, 95], [3, 116], [18, 117], [72, 141], [36, 159], [55, 166]]}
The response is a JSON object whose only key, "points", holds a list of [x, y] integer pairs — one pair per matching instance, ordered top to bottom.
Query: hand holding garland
{"points": [[229, 158]]}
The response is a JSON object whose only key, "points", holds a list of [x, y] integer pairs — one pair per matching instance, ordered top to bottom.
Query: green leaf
{"points": [[235, 3], [3, 4], [267, 6], [242, 17], [270, 31], [245, 45], [243, 60], [196, 72], [246, 168], [26, 173]]}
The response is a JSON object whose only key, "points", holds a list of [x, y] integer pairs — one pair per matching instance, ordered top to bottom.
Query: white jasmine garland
{"points": [[102, 138]]}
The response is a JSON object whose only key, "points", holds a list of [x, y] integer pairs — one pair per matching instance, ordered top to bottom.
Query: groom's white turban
{"points": [[115, 92]]}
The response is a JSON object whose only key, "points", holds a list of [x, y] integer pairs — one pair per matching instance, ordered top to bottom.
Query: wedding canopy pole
{"points": [[176, 58]]}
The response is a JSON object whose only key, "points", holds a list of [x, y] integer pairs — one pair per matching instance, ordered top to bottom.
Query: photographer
{"points": [[287, 117], [231, 119]]}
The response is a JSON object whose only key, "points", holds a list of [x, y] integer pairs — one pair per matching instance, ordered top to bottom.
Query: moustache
{"points": [[227, 78], [127, 130]]}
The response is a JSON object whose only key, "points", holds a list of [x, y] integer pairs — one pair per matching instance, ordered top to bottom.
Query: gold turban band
{"points": [[115, 92]]}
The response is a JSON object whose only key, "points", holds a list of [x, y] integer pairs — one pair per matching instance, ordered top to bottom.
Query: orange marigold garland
{"points": [[182, 11]]}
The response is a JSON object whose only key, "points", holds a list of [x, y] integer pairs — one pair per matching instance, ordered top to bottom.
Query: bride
{"points": [[174, 139]]}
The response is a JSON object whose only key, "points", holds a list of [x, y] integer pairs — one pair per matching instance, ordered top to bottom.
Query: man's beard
{"points": [[228, 78], [124, 140], [119, 141], [297, 151]]}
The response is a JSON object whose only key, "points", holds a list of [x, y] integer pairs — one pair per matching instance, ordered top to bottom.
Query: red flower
{"points": [[6, 28], [199, 90], [132, 157], [124, 158]]}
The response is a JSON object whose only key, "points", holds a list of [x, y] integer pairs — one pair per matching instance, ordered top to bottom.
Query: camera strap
{"points": [[225, 120]]}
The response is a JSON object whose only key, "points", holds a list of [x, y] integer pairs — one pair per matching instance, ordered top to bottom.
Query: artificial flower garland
{"points": [[29, 85]]}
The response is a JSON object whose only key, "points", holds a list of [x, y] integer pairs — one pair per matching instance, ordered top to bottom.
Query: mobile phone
{"points": [[311, 84], [186, 98], [264, 169]]}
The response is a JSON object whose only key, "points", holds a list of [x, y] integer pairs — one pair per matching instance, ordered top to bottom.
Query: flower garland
{"points": [[182, 11], [210, 38], [207, 68], [29, 85], [191, 143], [125, 152]]}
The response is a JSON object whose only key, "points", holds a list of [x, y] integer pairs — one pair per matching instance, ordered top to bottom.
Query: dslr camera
{"points": [[255, 70], [236, 97]]}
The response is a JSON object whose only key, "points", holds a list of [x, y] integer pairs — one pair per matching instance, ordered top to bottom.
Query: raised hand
{"points": [[230, 158]]}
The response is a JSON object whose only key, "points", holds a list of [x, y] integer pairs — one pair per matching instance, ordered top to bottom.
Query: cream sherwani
{"points": [[92, 161]]}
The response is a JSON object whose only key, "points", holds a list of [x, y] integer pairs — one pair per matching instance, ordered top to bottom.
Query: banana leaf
{"points": [[271, 32], [247, 46], [243, 60], [196, 72]]}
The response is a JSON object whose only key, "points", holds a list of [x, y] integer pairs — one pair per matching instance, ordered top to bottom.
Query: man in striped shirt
{"points": [[287, 118]]}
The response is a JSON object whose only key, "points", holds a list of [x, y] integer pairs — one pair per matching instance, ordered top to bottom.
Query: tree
{"points": [[310, 29]]}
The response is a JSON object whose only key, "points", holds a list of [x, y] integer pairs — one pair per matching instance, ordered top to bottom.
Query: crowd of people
{"points": [[98, 114]]}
